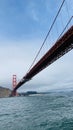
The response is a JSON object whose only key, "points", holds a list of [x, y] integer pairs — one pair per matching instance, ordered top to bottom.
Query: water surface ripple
{"points": [[53, 111]]}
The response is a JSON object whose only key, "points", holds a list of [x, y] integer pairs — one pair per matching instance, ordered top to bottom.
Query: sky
{"points": [[23, 27]]}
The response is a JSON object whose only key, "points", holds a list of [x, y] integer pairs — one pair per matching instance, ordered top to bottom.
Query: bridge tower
{"points": [[14, 83]]}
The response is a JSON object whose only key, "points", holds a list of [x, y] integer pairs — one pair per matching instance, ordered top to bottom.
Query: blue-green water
{"points": [[53, 111]]}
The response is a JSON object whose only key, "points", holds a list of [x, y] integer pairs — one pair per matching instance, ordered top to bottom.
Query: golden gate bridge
{"points": [[63, 44]]}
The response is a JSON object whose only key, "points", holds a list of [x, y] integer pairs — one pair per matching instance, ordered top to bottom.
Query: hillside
{"points": [[4, 92]]}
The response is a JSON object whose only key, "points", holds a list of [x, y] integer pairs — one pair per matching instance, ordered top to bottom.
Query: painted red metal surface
{"points": [[61, 47], [14, 81]]}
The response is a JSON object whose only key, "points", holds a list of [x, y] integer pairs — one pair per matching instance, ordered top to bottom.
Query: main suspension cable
{"points": [[66, 26], [47, 35]]}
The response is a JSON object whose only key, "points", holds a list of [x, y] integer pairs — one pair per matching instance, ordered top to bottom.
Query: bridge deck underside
{"points": [[61, 47]]}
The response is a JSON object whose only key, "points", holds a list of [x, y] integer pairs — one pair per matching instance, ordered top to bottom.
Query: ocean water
{"points": [[53, 111]]}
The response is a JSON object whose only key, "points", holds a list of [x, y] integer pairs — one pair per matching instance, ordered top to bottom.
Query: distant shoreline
{"points": [[5, 92]]}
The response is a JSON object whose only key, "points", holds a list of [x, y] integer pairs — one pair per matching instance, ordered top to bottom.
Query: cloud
{"points": [[33, 13], [23, 30], [16, 58], [56, 76]]}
